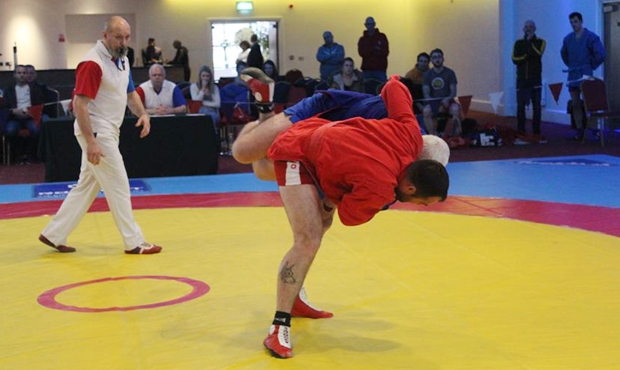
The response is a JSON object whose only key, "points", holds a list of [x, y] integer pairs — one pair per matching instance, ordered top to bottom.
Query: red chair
{"points": [[295, 94], [596, 104], [194, 105], [36, 111]]}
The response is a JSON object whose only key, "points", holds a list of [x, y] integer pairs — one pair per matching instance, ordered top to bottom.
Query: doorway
{"points": [[226, 36]]}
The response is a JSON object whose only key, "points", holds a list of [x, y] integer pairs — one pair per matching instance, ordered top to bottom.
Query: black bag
{"points": [[488, 137]]}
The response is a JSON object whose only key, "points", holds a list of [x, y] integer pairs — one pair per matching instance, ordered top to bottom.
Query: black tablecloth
{"points": [[183, 145]]}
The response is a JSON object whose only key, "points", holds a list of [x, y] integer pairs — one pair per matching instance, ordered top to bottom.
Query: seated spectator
{"points": [[245, 50], [151, 54], [240, 67], [270, 70], [415, 75], [294, 77], [348, 79], [439, 87], [206, 90], [159, 95], [19, 101], [48, 109]]}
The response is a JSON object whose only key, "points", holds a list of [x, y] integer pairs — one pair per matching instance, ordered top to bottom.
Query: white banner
{"points": [[495, 98]]}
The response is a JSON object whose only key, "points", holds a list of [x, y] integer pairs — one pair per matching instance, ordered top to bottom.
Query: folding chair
{"points": [[370, 85], [280, 95], [295, 95], [53, 102], [194, 105], [596, 105], [235, 112]]}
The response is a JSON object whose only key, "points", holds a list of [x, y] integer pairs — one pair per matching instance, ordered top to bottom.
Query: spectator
{"points": [[374, 49], [245, 50], [582, 52], [152, 54], [330, 55], [131, 56], [527, 56], [255, 57], [181, 58], [240, 67], [271, 70], [31, 75], [415, 75], [348, 79], [439, 87], [103, 90], [206, 90], [159, 95], [19, 100], [48, 109]]}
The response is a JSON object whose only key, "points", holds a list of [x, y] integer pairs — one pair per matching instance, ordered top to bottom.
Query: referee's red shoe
{"points": [[61, 248], [145, 248]]}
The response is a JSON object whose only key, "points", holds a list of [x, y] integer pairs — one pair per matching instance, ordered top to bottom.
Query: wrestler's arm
{"points": [[398, 101]]}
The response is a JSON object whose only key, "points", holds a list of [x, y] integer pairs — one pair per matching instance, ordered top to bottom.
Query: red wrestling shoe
{"points": [[262, 86], [60, 248], [145, 248], [303, 308], [278, 342]]}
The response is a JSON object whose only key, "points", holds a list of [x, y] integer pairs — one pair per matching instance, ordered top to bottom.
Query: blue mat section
{"points": [[590, 180], [152, 186], [61, 189]]}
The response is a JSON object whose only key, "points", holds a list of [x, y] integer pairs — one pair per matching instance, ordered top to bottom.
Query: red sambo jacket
{"points": [[356, 162]]}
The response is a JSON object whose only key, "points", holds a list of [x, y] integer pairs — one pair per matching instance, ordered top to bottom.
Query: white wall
{"points": [[475, 35]]}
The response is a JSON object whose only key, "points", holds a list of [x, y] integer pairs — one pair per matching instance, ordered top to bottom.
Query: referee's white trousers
{"points": [[109, 175]]}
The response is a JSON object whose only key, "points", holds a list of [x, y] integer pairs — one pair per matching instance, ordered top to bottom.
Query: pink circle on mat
{"points": [[48, 299]]}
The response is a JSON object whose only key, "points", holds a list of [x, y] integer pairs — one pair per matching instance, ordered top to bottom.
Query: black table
{"points": [[183, 145]]}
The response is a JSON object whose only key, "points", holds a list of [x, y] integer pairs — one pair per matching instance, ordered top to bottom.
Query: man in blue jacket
{"points": [[582, 52], [330, 55]]}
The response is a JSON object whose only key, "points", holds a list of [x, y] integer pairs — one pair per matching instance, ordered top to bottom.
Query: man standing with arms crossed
{"points": [[374, 49], [330, 55], [527, 56], [102, 91]]}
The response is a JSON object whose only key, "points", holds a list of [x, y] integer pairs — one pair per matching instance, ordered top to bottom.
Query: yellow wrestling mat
{"points": [[409, 290]]}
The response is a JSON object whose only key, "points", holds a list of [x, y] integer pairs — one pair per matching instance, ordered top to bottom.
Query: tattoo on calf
{"points": [[286, 274]]}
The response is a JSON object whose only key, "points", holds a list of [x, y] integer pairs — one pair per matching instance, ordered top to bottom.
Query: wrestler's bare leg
{"points": [[256, 137], [263, 169]]}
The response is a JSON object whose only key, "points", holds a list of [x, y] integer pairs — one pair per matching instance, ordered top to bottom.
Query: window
{"points": [[226, 37]]}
